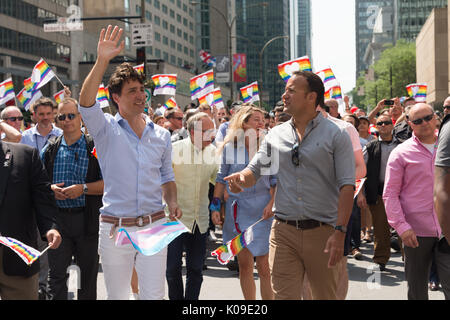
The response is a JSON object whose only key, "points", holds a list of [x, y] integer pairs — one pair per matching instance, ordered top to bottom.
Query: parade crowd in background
{"points": [[282, 186]]}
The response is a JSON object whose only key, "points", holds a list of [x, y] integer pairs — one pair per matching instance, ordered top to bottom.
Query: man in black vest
{"points": [[376, 155], [78, 188], [26, 205]]}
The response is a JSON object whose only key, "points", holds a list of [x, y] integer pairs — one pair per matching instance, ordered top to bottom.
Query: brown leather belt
{"points": [[140, 221], [302, 224]]}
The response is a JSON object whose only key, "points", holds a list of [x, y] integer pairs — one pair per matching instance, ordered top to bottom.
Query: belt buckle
{"points": [[140, 221], [297, 225]]}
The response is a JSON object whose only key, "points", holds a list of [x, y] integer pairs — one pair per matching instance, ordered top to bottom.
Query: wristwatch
{"points": [[85, 188], [342, 229]]}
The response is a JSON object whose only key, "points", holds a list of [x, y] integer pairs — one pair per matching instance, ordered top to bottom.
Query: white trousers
{"points": [[118, 262]]}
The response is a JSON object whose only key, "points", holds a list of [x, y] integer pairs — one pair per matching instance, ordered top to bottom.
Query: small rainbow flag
{"points": [[139, 69], [286, 69], [42, 74], [328, 78], [165, 84], [202, 84], [29, 85], [6, 91], [418, 91], [250, 93], [333, 93], [59, 96], [102, 96], [26, 98], [213, 98], [171, 103], [94, 153], [25, 252], [225, 252]]}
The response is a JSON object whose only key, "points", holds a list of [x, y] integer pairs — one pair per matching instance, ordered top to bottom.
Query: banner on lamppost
{"points": [[240, 67], [222, 69]]}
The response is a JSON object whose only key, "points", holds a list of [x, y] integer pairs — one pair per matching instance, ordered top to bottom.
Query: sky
{"points": [[333, 39]]}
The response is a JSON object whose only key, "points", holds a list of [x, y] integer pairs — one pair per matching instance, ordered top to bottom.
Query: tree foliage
{"points": [[395, 69]]}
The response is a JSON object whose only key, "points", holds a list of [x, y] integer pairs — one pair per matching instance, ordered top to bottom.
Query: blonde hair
{"points": [[235, 129]]}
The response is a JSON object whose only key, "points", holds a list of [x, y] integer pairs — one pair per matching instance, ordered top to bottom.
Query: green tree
{"points": [[393, 71]]}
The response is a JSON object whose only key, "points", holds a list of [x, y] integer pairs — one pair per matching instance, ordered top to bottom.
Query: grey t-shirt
{"points": [[443, 151], [326, 163]]}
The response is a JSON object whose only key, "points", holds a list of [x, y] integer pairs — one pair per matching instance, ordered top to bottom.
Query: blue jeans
{"points": [[353, 235], [195, 246]]}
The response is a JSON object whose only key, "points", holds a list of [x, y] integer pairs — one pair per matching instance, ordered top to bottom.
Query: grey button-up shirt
{"points": [[311, 190]]}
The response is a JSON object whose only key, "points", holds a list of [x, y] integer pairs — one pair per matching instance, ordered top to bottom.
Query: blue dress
{"points": [[245, 208]]}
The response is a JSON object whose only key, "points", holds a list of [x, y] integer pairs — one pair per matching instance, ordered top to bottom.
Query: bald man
{"points": [[447, 106], [334, 108], [11, 120], [408, 198]]}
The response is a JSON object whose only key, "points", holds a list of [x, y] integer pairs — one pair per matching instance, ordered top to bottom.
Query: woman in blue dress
{"points": [[244, 209]]}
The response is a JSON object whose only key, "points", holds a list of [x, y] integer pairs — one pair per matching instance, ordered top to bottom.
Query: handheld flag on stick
{"points": [[139, 68], [286, 69], [42, 74], [328, 78], [165, 84], [202, 84], [6, 91], [418, 91], [250, 93], [334, 93], [59, 96], [102, 96], [26, 97], [213, 98], [171, 103], [151, 240], [25, 252], [225, 252]]}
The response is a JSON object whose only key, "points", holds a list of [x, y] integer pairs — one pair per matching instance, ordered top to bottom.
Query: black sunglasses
{"points": [[446, 107], [70, 116], [14, 118], [426, 118], [386, 123], [295, 155]]}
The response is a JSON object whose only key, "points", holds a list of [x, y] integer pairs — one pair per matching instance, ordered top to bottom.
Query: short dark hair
{"points": [[123, 73], [315, 84], [44, 101], [278, 109]]}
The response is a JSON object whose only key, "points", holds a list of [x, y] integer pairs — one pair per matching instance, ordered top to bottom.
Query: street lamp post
{"points": [[230, 45]]}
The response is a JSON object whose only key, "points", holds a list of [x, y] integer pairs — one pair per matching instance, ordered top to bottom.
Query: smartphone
{"points": [[389, 102]]}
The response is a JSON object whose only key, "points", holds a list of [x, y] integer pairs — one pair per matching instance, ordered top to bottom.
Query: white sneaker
{"points": [[134, 296]]}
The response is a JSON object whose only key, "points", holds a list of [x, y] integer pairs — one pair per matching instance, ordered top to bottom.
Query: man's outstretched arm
{"points": [[107, 49]]}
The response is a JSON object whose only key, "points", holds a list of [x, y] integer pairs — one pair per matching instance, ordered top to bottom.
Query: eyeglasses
{"points": [[446, 107], [70, 116], [14, 119], [420, 120], [386, 123], [295, 155]]}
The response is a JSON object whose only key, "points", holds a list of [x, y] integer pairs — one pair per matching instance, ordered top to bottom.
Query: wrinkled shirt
{"points": [[133, 169], [408, 189]]}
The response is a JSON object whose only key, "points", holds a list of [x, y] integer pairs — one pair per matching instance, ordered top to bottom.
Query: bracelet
{"points": [[215, 204]]}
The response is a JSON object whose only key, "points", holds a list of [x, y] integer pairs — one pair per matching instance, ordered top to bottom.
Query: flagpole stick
{"points": [[59, 79], [42, 252]]}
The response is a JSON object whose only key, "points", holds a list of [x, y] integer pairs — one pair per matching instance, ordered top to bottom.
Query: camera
{"points": [[389, 102]]}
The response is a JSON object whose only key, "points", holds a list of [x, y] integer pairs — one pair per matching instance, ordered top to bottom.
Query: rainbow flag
{"points": [[139, 69], [286, 69], [42, 74], [328, 78], [165, 84], [202, 84], [29, 85], [6, 91], [418, 91], [250, 93], [333, 93], [59, 96], [102, 96], [26, 98], [212, 98], [171, 103], [94, 153], [151, 240], [25, 252], [225, 252]]}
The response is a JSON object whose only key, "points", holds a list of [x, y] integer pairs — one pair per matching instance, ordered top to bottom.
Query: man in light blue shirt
{"points": [[38, 136], [136, 161]]}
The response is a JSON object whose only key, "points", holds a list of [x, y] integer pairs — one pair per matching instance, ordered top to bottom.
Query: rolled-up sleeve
{"points": [[94, 119], [344, 160], [395, 170], [167, 174]]}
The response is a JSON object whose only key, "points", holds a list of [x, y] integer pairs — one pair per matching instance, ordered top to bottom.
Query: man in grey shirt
{"points": [[314, 162], [442, 181]]}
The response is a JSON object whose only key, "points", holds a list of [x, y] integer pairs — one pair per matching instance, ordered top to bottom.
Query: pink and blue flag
{"points": [[151, 240]]}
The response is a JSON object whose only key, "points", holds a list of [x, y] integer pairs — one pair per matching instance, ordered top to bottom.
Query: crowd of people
{"points": [[79, 174]]}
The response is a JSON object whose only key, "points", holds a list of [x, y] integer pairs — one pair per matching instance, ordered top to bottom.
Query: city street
{"points": [[219, 283]]}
